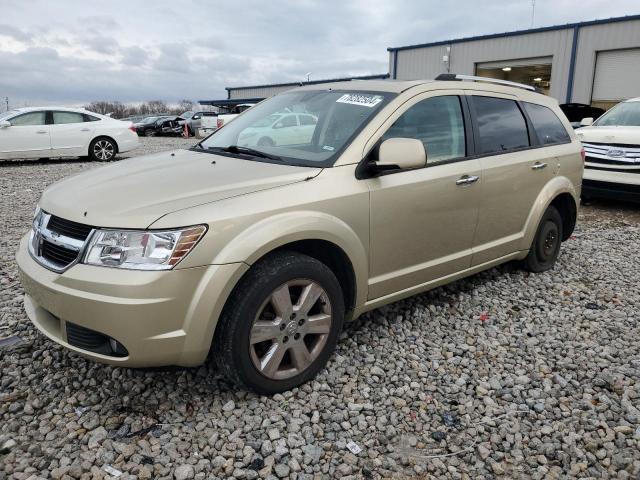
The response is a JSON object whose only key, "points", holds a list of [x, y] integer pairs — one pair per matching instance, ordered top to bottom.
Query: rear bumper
{"points": [[127, 141], [611, 185], [161, 318]]}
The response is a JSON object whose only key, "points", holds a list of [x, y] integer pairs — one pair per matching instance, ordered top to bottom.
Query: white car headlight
{"points": [[142, 249]]}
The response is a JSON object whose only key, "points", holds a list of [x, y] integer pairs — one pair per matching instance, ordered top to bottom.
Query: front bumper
{"points": [[611, 185], [161, 318]]}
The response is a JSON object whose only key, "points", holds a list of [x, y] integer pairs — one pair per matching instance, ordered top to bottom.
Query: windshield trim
{"points": [[300, 162]]}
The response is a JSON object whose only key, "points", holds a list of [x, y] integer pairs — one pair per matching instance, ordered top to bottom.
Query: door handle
{"points": [[84, 129], [41, 131], [538, 166], [467, 180]]}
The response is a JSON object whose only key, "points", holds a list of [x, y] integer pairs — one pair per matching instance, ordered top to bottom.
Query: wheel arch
{"points": [[98, 137], [560, 193], [318, 235]]}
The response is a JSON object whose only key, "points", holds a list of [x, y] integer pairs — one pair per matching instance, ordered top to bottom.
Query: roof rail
{"points": [[458, 77]]}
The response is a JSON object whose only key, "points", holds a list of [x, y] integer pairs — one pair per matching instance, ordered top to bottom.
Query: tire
{"points": [[148, 133], [266, 142], [102, 149], [546, 245], [251, 329]]}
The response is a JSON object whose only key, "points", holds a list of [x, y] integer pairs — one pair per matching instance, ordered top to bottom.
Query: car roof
{"points": [[399, 86], [637, 99], [53, 107]]}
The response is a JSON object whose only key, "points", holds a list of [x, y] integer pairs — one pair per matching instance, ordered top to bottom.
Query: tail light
{"points": [[219, 123], [132, 128], [583, 154]]}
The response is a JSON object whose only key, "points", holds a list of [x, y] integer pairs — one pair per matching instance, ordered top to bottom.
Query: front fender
{"points": [[556, 186], [276, 231]]}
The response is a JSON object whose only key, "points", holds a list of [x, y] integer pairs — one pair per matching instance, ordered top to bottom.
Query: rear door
{"points": [[70, 134], [27, 137], [514, 171]]}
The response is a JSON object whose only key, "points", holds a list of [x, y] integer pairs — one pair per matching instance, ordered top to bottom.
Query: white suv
{"points": [[612, 147]]}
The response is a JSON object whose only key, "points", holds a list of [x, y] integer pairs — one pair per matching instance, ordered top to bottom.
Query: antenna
{"points": [[533, 11]]}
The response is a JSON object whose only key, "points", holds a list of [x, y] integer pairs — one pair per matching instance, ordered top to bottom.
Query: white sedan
{"points": [[280, 129], [48, 132]]}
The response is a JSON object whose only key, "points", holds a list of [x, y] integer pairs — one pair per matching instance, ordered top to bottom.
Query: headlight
{"points": [[141, 250]]}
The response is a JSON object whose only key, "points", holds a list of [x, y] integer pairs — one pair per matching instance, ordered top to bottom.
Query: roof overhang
{"points": [[229, 103]]}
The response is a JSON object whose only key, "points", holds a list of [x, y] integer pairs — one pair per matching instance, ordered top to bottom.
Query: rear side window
{"points": [[67, 117], [31, 118], [89, 118], [307, 120], [438, 123], [501, 125], [547, 125]]}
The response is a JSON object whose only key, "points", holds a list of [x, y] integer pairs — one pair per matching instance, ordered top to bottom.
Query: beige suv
{"points": [[258, 255]]}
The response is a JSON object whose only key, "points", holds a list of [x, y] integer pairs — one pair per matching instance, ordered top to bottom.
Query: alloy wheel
{"points": [[103, 150], [290, 329]]}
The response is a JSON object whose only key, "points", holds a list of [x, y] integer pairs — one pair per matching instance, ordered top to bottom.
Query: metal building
{"points": [[595, 62], [264, 91]]}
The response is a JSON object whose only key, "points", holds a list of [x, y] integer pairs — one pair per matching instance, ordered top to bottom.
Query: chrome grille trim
{"points": [[621, 155], [41, 233]]}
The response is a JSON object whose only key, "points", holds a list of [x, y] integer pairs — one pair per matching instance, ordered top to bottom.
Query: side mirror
{"points": [[196, 117], [585, 122], [5, 124], [278, 125], [401, 153]]}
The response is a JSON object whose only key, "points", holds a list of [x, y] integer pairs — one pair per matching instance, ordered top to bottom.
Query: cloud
{"points": [[129, 51]]}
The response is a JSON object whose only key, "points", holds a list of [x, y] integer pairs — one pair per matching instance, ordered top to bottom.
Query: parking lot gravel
{"points": [[504, 374]]}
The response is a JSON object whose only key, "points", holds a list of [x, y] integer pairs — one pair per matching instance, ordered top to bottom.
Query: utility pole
{"points": [[533, 11], [6, 101]]}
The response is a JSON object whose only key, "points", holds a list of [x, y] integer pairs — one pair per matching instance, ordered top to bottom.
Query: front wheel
{"points": [[102, 149], [546, 244], [281, 324]]}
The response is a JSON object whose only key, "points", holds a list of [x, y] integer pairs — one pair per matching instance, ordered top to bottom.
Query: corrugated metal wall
{"points": [[596, 38], [427, 62]]}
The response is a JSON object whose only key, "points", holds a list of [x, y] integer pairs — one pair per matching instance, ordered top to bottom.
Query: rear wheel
{"points": [[148, 132], [266, 142], [102, 149], [546, 244], [281, 324]]}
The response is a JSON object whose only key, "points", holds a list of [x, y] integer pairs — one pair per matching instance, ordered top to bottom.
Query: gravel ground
{"points": [[504, 374]]}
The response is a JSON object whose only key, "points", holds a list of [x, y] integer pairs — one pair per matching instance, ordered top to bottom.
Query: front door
{"points": [[27, 137], [423, 221]]}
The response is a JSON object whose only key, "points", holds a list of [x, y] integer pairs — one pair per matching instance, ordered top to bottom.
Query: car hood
{"points": [[610, 135], [134, 193]]}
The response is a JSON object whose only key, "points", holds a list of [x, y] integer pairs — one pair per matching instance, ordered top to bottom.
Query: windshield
{"points": [[625, 114], [149, 119], [307, 128]]}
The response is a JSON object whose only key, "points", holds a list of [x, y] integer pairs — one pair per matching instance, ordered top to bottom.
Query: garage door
{"points": [[617, 74]]}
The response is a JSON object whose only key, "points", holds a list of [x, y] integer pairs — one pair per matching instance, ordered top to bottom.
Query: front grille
{"points": [[612, 154], [69, 228], [56, 254], [93, 341]]}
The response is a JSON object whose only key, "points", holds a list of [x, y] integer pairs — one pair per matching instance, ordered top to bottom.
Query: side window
{"points": [[67, 117], [31, 118], [89, 118], [307, 120], [286, 121], [438, 123], [500, 123], [546, 124]]}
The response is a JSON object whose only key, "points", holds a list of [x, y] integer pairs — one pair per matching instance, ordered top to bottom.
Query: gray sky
{"points": [[71, 51]]}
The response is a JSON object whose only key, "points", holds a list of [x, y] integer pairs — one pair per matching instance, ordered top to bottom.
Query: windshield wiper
{"points": [[247, 151]]}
